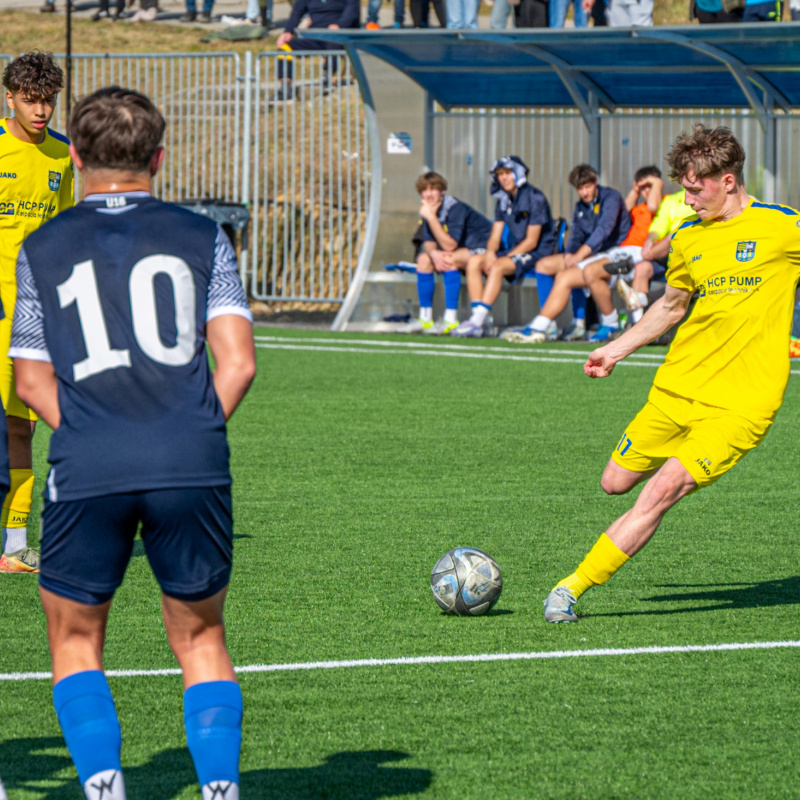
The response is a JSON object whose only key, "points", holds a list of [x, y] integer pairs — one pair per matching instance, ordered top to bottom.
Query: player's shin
{"points": [[16, 509], [600, 564], [85, 710], [212, 714]]}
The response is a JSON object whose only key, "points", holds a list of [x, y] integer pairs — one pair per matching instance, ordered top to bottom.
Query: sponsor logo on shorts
{"points": [[745, 251], [705, 465]]}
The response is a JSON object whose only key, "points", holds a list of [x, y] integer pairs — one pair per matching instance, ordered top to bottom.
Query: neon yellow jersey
{"points": [[36, 182], [671, 214], [732, 350]]}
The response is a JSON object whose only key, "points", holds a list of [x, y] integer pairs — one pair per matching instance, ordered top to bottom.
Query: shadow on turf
{"points": [[780, 592], [359, 775]]}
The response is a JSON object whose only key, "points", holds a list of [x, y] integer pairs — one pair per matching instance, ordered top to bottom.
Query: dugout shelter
{"points": [[407, 78]]}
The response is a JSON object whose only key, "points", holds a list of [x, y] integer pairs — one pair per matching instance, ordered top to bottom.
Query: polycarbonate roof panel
{"points": [[663, 67]]}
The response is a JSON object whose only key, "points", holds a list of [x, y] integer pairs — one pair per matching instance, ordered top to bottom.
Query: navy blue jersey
{"points": [[344, 13], [529, 207], [600, 225], [469, 228], [116, 293]]}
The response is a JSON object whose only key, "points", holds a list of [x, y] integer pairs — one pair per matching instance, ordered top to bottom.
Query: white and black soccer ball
{"points": [[466, 581]]}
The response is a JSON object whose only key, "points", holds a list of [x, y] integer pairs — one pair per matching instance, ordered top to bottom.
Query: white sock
{"points": [[642, 299], [426, 314], [479, 314], [451, 315], [637, 315], [610, 320], [579, 322], [540, 323], [14, 539], [105, 785], [221, 790], [3, 795]]}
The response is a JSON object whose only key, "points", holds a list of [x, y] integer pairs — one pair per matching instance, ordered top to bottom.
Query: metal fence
{"points": [[300, 166]]}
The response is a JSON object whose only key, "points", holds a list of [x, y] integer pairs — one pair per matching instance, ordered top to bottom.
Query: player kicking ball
{"points": [[36, 182], [117, 300], [722, 382]]}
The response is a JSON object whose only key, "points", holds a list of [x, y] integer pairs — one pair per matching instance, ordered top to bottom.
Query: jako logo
{"points": [[10, 175], [696, 258]]}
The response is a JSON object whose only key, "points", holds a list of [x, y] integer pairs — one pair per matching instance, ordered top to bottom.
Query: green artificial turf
{"points": [[353, 472]]}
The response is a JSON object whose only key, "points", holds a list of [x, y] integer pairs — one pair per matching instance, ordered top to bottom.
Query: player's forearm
{"points": [[443, 238], [660, 317], [230, 338], [231, 383], [37, 387]]}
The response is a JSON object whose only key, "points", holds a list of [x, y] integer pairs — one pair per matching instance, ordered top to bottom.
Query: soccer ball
{"points": [[466, 581]]}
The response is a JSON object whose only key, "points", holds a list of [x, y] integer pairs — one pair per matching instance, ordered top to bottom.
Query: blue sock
{"points": [[544, 285], [425, 287], [452, 288], [578, 304], [85, 710], [212, 714]]}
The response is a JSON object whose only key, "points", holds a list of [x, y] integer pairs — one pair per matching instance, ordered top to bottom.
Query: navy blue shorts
{"points": [[524, 265], [187, 535]]}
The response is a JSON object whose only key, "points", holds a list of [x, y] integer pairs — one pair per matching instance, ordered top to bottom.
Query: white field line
{"points": [[438, 346], [461, 351], [543, 655]]}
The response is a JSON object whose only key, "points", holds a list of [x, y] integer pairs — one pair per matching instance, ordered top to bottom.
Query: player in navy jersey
{"points": [[522, 217], [452, 231], [117, 301]]}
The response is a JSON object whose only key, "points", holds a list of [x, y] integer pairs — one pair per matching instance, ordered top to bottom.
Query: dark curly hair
{"points": [[36, 75], [116, 128]]}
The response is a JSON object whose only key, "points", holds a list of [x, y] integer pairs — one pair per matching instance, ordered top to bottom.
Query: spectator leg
{"points": [[373, 7], [399, 12], [441, 12], [471, 13], [557, 13], [641, 13], [455, 14], [499, 18], [582, 18], [503, 267], [474, 273], [565, 283]]}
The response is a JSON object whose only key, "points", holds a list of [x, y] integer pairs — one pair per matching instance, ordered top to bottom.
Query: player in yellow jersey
{"points": [[36, 182], [722, 382]]}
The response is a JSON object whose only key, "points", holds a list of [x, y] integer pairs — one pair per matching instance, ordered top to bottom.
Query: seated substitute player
{"points": [[36, 182], [523, 214], [600, 221], [452, 231], [599, 273], [117, 300], [723, 380]]}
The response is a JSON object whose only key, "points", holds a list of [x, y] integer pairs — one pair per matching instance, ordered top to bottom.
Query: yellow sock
{"points": [[17, 505], [602, 561]]}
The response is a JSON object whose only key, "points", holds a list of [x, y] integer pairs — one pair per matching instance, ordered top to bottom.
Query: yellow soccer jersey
{"points": [[36, 182], [671, 214], [731, 351]]}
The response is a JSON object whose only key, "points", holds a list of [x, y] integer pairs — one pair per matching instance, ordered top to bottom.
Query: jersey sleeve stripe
{"points": [[790, 212], [225, 288], [221, 311], [27, 333], [29, 354]]}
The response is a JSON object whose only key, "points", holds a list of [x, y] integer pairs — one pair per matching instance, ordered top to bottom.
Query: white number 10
{"points": [[81, 288]]}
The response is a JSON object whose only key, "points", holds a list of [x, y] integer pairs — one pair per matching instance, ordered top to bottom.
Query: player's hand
{"points": [[588, 5], [333, 27], [283, 39], [427, 211], [647, 251], [441, 260], [491, 260], [570, 260], [599, 364]]}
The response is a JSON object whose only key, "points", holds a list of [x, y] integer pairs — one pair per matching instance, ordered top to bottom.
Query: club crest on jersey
{"points": [[54, 181], [745, 251]]}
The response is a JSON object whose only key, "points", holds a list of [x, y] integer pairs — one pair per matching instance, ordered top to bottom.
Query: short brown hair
{"points": [[36, 75], [116, 128], [707, 152], [647, 172], [583, 174], [430, 180]]}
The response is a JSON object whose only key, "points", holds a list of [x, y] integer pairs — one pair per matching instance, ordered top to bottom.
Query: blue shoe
{"points": [[603, 334]]}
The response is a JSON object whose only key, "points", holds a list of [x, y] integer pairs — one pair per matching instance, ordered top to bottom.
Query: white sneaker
{"points": [[145, 15], [629, 297], [416, 326], [441, 328], [528, 335], [558, 606]]}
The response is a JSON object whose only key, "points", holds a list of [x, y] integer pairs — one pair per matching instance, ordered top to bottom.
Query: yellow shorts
{"points": [[8, 386], [707, 440]]}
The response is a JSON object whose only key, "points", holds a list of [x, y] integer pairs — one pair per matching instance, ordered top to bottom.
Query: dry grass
{"points": [[23, 31]]}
